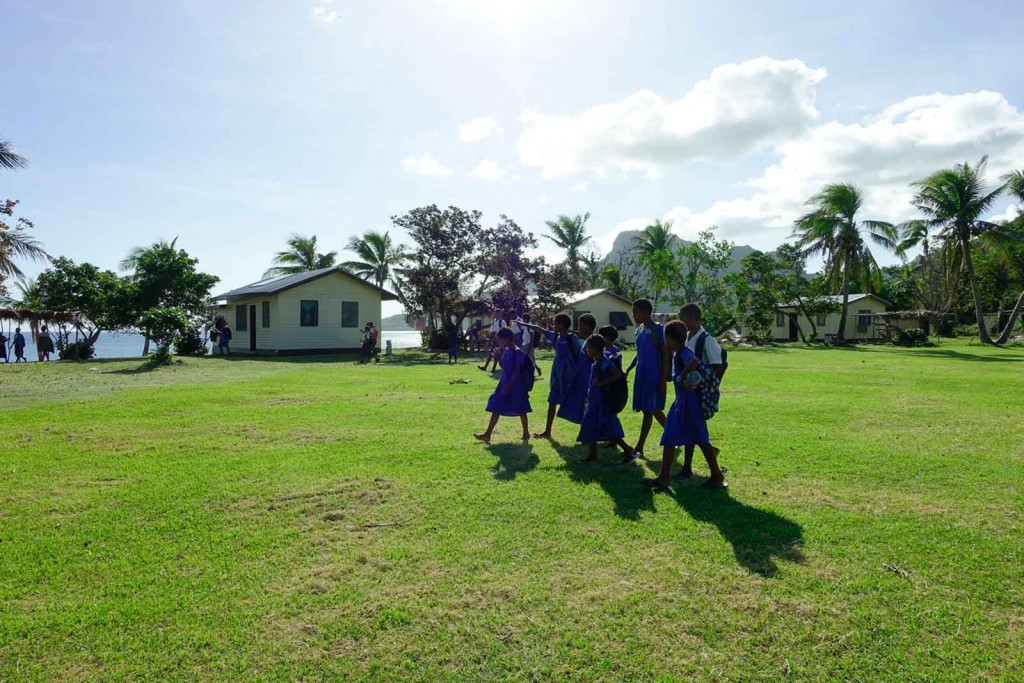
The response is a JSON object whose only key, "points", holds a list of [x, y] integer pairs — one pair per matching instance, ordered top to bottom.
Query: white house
{"points": [[606, 306], [319, 311], [861, 322]]}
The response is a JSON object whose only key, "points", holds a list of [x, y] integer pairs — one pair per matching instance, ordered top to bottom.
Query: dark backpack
{"points": [[699, 352], [527, 374], [618, 391]]}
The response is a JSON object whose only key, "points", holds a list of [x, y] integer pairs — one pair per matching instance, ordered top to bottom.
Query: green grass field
{"points": [[319, 520]]}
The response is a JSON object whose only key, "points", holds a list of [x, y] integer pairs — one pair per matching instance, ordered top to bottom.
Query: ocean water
{"points": [[111, 345]]}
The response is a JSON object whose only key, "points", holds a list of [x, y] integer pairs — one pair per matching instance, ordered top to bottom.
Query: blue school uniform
{"points": [[568, 350], [646, 398], [574, 401], [517, 402], [599, 422], [685, 424]]}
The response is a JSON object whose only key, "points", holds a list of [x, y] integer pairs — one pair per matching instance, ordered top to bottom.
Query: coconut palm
{"points": [[9, 159], [1015, 186], [953, 200], [832, 230], [570, 234], [657, 236], [16, 243], [300, 257], [378, 257], [131, 261]]}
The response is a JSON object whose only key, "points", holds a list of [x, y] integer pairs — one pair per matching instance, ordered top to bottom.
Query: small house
{"points": [[607, 307], [319, 311], [862, 321]]}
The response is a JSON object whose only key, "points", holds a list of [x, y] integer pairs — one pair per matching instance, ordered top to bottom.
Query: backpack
{"points": [[227, 332], [699, 352], [527, 374], [618, 391], [709, 391]]}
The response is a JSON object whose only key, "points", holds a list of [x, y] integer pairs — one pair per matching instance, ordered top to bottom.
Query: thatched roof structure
{"points": [[19, 314]]}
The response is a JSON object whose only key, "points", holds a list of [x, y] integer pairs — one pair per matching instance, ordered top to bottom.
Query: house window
{"points": [[309, 313], [266, 314], [350, 314], [241, 318], [620, 319], [780, 319], [819, 320], [863, 320]]}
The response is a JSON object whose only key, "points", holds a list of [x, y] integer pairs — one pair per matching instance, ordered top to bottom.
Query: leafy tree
{"points": [[953, 201], [833, 229], [570, 234], [657, 236], [15, 243], [654, 248], [300, 257], [378, 257], [503, 265], [591, 267], [702, 267], [164, 276], [622, 278], [553, 285], [758, 287], [811, 296], [97, 300], [166, 326]]}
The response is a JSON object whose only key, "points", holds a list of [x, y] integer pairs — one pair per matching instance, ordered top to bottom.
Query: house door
{"points": [[252, 328], [793, 331]]}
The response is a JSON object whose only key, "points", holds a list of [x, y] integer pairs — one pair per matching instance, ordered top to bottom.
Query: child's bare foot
{"points": [[543, 435], [485, 437], [526, 437], [629, 457], [683, 474], [656, 484], [715, 484]]}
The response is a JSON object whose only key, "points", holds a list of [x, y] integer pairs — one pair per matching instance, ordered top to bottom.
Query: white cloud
{"points": [[322, 15], [737, 109], [478, 129], [882, 154], [425, 165], [487, 169], [581, 187], [1009, 214]]}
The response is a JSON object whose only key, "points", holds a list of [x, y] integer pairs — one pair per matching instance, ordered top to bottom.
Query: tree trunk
{"points": [[1008, 330], [983, 334], [841, 336], [145, 345]]}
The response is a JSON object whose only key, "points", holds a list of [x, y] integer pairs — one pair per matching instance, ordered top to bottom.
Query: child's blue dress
{"points": [[567, 351], [646, 398], [517, 402], [599, 422], [685, 424]]}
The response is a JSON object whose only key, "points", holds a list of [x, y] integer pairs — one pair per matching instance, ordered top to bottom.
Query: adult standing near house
{"points": [[224, 339], [374, 339], [44, 345], [19, 346], [3, 347]]}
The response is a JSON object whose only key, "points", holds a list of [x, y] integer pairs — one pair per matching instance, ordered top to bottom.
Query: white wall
{"points": [[330, 291], [832, 320]]}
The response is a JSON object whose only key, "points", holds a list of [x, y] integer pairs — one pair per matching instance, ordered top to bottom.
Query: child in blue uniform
{"points": [[568, 352], [651, 363], [511, 398], [574, 401], [600, 422], [685, 425]]}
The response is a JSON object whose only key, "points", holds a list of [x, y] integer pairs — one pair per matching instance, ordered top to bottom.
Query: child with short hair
{"points": [[568, 350], [708, 351], [649, 384], [511, 398], [574, 402], [600, 421], [685, 425]]}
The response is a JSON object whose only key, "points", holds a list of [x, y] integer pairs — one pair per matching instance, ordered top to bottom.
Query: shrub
{"points": [[165, 326], [914, 337], [191, 343], [79, 350]]}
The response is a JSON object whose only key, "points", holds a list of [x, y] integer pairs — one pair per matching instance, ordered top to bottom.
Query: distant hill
{"points": [[624, 243], [395, 323]]}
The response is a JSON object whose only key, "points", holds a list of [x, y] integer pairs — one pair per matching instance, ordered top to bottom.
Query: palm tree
{"points": [[9, 159], [1014, 184], [953, 200], [833, 230], [570, 234], [657, 236], [300, 257], [378, 257], [131, 261], [939, 268]]}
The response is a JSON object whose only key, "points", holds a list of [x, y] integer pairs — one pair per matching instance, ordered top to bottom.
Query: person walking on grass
{"points": [[497, 325], [531, 339], [19, 346], [44, 346], [3, 347], [708, 351], [651, 363], [563, 380], [511, 398], [600, 419], [685, 425]]}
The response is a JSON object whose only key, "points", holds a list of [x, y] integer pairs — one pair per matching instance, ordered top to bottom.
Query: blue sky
{"points": [[232, 124]]}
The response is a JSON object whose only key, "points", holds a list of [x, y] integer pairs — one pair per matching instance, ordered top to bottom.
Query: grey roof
{"points": [[280, 283], [583, 296], [838, 298]]}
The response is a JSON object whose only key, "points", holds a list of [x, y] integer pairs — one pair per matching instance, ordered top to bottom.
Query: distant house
{"points": [[608, 307], [319, 311], [862, 322]]}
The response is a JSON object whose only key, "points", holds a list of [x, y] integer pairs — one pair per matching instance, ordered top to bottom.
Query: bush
{"points": [[165, 327], [914, 337], [191, 343], [79, 350]]}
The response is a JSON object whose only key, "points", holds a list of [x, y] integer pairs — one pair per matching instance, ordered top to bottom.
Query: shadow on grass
{"points": [[950, 354], [146, 367], [513, 459], [622, 483], [758, 537]]}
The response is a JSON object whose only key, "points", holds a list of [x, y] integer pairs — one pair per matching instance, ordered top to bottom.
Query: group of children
{"points": [[588, 386]]}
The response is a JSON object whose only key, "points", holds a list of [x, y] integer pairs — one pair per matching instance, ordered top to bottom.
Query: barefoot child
{"points": [[497, 324], [707, 350], [568, 352], [651, 366], [511, 398], [574, 402], [600, 420], [685, 425]]}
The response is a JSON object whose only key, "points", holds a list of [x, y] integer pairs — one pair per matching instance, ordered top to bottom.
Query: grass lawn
{"points": [[315, 519]]}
